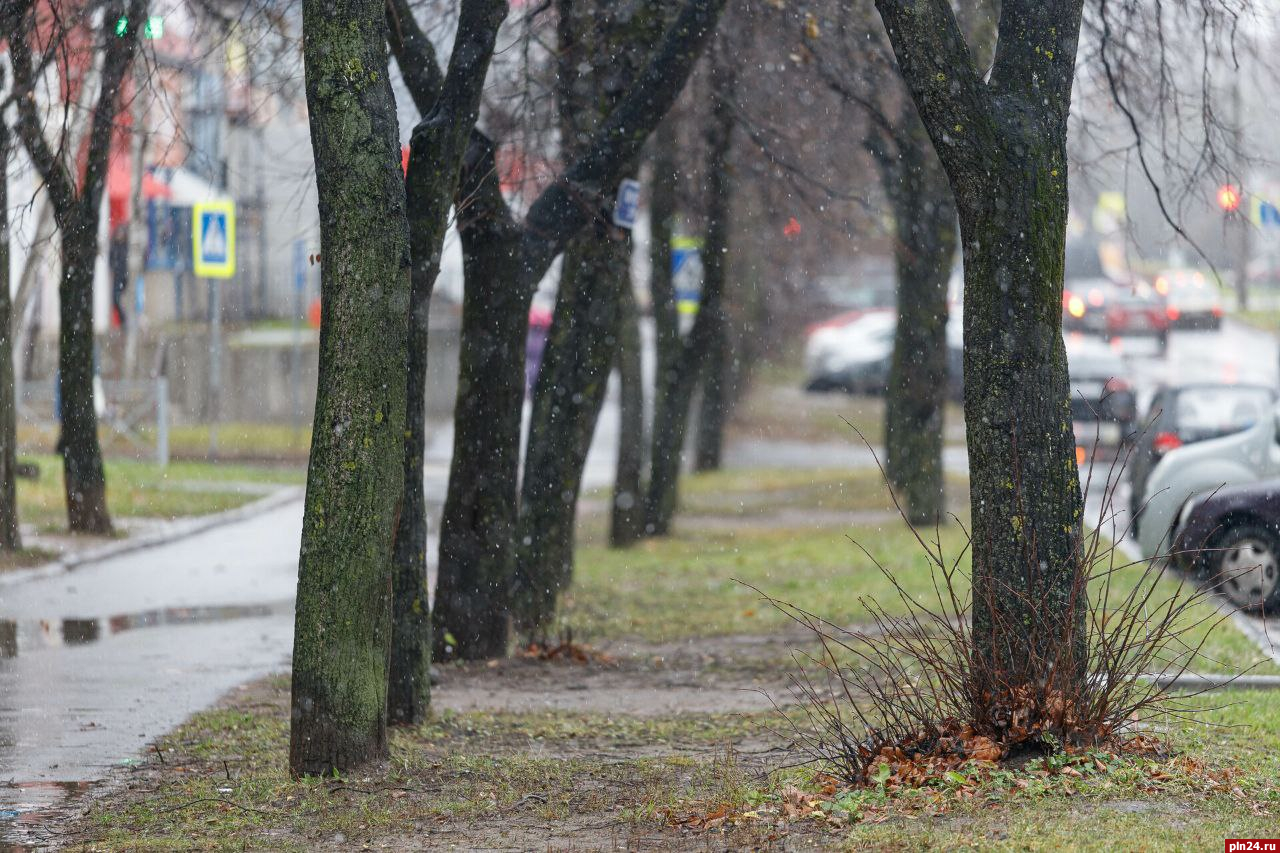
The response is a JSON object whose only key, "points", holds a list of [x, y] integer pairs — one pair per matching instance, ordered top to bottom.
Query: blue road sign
{"points": [[627, 204], [213, 239], [299, 265]]}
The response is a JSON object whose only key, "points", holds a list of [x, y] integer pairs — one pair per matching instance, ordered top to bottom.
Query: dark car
{"points": [[1102, 307], [1185, 414], [1232, 535]]}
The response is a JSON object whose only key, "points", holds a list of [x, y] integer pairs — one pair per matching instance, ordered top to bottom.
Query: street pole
{"points": [[1242, 212], [295, 357], [215, 363]]}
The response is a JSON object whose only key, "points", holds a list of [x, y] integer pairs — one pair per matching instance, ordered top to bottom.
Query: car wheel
{"points": [[1246, 567]]}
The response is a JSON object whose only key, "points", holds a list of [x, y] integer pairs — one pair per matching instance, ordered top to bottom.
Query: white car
{"points": [[853, 356], [1200, 468]]}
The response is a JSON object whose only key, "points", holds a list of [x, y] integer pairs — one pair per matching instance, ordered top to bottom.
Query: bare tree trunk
{"points": [[1002, 140], [435, 159], [555, 217], [668, 346], [717, 370], [567, 398], [915, 401], [672, 421], [84, 477], [626, 522], [10, 540], [477, 555], [342, 635]]}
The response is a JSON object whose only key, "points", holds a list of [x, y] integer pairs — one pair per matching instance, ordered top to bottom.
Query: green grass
{"points": [[1266, 319], [785, 411], [245, 441], [143, 489], [757, 492], [697, 582], [473, 779], [501, 779]]}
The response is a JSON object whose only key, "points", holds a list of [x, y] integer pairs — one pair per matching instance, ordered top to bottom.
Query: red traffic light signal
{"points": [[1229, 197]]}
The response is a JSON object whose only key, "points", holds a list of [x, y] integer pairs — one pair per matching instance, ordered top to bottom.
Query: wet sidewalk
{"points": [[98, 661]]}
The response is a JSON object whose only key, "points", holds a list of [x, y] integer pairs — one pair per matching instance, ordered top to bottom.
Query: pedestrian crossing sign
{"points": [[213, 239]]}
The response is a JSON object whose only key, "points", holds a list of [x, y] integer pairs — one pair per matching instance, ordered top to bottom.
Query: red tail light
{"points": [[1217, 310], [1172, 312], [1166, 441]]}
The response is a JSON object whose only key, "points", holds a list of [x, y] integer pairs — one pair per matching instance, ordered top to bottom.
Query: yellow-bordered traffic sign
{"points": [[213, 239]]}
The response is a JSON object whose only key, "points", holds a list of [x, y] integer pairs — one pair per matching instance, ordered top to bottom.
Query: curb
{"points": [[172, 532], [1253, 628], [1195, 681]]}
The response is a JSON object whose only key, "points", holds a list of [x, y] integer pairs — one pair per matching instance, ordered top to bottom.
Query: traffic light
{"points": [[1229, 197]]}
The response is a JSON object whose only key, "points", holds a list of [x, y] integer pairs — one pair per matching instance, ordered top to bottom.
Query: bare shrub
{"points": [[916, 686]]}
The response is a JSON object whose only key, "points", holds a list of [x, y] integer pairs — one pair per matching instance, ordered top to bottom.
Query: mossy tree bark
{"points": [[449, 113], [1003, 144], [75, 191], [572, 202], [924, 249], [671, 420], [626, 520], [10, 539], [342, 635]]}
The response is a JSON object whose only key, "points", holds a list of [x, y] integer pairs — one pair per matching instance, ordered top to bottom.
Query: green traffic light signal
{"points": [[152, 29]]}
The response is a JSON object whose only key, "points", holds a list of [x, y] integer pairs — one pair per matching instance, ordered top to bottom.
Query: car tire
{"points": [[1245, 567]]}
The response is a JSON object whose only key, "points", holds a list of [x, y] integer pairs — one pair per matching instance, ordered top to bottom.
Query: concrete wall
{"points": [[266, 378]]}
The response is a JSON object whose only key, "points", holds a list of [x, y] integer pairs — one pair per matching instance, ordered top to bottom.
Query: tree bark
{"points": [[602, 50], [1003, 144], [435, 158], [76, 198], [561, 211], [924, 249], [666, 318], [717, 367], [566, 405], [671, 422], [84, 478], [626, 521], [10, 539], [476, 548], [342, 635]]}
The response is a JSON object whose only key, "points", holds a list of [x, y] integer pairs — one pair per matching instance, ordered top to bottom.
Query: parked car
{"points": [[1192, 300], [855, 357], [1103, 405], [1184, 414], [1239, 459], [1232, 535]]}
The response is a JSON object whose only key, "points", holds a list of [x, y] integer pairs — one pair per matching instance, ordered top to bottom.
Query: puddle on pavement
{"points": [[30, 634], [31, 811]]}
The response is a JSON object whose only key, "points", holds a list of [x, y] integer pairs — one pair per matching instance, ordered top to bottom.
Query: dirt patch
{"points": [[734, 674], [464, 781]]}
